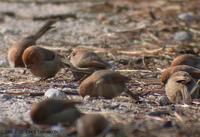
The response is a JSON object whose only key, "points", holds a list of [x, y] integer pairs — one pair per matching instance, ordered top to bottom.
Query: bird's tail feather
{"points": [[47, 26]]}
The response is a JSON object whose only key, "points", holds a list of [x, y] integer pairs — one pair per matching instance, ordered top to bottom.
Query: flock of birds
{"points": [[97, 78], [181, 79]]}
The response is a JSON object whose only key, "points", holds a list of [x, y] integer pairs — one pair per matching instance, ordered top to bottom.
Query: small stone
{"points": [[188, 16], [182, 36], [196, 50], [3, 63], [55, 93], [6, 97], [151, 97], [86, 98], [58, 129], [110, 135]]}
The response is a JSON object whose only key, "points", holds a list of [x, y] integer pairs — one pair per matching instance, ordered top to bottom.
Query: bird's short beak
{"points": [[68, 57]]}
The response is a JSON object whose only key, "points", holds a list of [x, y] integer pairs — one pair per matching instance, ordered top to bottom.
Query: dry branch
{"points": [[49, 1], [57, 16], [60, 16], [121, 52], [153, 52], [141, 53], [133, 70], [33, 94]]}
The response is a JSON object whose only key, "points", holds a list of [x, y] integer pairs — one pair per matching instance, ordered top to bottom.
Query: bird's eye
{"points": [[180, 81], [183, 81]]}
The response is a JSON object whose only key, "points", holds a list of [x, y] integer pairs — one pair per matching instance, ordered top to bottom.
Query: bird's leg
{"points": [[42, 79]]}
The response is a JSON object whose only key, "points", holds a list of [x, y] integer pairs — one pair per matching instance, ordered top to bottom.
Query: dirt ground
{"points": [[138, 37]]}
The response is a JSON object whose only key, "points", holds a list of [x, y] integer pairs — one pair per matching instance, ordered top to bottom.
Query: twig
{"points": [[48, 1], [58, 16], [195, 31], [155, 38], [56, 48], [96, 49], [114, 51], [130, 53], [141, 53], [2, 68], [134, 70], [195, 88], [71, 91], [160, 91], [24, 93], [33, 94], [155, 118], [179, 118]]}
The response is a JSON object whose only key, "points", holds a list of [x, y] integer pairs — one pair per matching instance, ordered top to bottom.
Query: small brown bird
{"points": [[16, 50], [82, 58], [187, 59], [42, 62], [194, 72], [105, 83], [179, 86], [52, 112], [91, 125]]}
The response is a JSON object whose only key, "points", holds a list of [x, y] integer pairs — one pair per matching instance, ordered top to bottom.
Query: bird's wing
{"points": [[47, 54], [93, 61], [117, 78]]}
